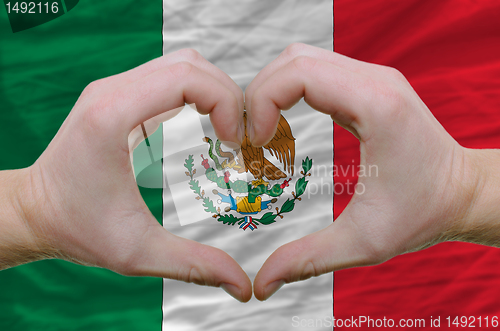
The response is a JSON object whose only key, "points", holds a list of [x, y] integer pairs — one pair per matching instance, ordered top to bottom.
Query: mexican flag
{"points": [[448, 50], [196, 186]]}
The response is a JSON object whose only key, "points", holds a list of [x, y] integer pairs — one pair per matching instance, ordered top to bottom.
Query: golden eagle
{"points": [[282, 146]]}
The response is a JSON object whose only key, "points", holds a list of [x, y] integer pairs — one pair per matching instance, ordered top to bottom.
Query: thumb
{"points": [[333, 248], [169, 256]]}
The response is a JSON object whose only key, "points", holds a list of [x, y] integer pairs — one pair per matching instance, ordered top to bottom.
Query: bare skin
{"points": [[429, 188], [80, 202]]}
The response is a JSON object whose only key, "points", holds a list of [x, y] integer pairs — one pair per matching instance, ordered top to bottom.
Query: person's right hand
{"points": [[428, 187], [80, 201]]}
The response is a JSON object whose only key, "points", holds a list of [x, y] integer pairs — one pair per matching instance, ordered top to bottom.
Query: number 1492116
{"points": [[32, 7]]}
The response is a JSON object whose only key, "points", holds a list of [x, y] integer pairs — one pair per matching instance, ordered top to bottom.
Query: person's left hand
{"points": [[426, 190]]}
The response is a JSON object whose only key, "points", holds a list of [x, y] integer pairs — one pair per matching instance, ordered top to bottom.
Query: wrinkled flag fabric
{"points": [[226, 205]]}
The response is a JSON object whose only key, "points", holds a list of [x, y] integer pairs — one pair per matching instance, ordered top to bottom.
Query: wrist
{"points": [[480, 220], [19, 243]]}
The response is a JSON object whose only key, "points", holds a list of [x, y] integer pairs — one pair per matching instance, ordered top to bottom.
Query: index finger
{"points": [[298, 49], [183, 55], [160, 63], [344, 95], [116, 114]]}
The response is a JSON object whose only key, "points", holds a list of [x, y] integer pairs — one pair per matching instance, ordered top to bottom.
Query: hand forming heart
{"points": [[80, 201]]}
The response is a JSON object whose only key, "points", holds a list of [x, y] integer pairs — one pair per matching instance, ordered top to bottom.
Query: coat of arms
{"points": [[249, 204]]}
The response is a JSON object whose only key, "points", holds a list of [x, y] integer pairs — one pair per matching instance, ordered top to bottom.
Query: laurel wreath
{"points": [[267, 218]]}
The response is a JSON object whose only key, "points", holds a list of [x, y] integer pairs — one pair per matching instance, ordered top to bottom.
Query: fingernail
{"points": [[250, 130], [241, 131], [230, 144], [272, 288], [232, 290]]}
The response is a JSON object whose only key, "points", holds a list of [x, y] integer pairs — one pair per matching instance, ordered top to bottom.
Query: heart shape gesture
{"points": [[80, 202]]}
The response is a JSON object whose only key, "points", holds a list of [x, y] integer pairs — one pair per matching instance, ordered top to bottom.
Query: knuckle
{"points": [[295, 49], [190, 54], [304, 63], [181, 69], [394, 74], [93, 88], [390, 100], [98, 114], [377, 250], [125, 263], [193, 270], [309, 270], [192, 275]]}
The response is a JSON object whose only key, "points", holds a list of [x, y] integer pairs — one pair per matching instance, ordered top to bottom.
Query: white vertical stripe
{"points": [[241, 37]]}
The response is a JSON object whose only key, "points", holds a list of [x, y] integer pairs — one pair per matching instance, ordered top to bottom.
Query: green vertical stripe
{"points": [[42, 72]]}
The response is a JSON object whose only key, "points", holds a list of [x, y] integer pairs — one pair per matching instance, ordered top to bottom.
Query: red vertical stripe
{"points": [[449, 50]]}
